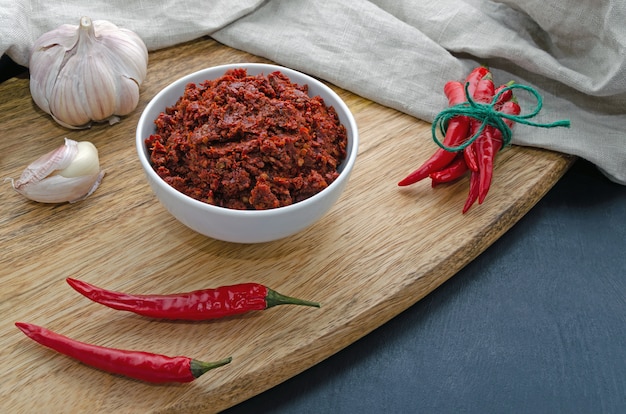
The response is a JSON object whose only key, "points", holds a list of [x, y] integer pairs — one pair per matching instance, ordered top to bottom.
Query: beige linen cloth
{"points": [[400, 53]]}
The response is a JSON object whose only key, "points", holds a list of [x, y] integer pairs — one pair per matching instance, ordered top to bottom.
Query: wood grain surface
{"points": [[378, 251]]}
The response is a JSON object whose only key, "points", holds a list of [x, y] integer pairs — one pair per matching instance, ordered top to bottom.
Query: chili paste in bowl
{"points": [[248, 142], [248, 152]]}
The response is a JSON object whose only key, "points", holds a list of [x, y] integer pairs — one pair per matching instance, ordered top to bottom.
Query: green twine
{"points": [[489, 116]]}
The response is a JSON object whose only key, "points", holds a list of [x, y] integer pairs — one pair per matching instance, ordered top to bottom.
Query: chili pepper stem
{"points": [[273, 298], [200, 367]]}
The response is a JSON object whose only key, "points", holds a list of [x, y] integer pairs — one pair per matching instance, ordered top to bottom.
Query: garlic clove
{"points": [[126, 43], [55, 44], [100, 87], [127, 97], [67, 103], [85, 161], [70, 173], [59, 189]]}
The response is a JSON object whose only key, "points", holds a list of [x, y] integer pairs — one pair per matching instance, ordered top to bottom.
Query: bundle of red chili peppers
{"points": [[476, 126], [198, 305]]}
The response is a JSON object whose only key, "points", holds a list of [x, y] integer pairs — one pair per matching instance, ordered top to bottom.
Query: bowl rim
{"points": [[344, 168]]}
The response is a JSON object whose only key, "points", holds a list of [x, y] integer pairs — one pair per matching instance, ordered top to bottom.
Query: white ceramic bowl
{"points": [[245, 226]]}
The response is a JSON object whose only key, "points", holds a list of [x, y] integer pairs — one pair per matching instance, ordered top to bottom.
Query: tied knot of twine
{"points": [[487, 114]]}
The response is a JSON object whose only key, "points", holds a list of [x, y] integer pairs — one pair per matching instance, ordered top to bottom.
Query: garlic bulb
{"points": [[85, 73], [68, 174]]}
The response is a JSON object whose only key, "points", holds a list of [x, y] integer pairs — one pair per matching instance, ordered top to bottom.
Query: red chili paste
{"points": [[248, 142]]}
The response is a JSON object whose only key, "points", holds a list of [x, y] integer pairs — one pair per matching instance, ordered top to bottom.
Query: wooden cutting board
{"points": [[380, 249]]}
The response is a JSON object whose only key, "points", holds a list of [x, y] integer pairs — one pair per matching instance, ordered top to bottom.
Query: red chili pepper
{"points": [[476, 75], [485, 90], [455, 92], [483, 93], [505, 96], [510, 108], [489, 145], [486, 151], [469, 152], [455, 170], [473, 191], [194, 306], [144, 366]]}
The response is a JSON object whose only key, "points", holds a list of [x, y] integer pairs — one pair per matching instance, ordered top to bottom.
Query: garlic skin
{"points": [[90, 72], [70, 173]]}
